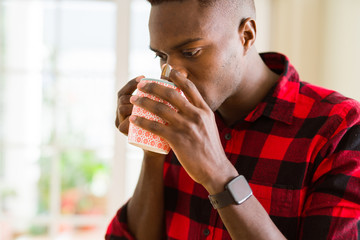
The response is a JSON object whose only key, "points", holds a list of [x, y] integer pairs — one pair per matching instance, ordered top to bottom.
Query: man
{"points": [[297, 145]]}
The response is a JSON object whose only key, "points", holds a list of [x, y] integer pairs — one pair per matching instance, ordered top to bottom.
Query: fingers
{"points": [[130, 87], [189, 89], [169, 95], [172, 96], [124, 107], [160, 109], [187, 109], [124, 111], [122, 118], [124, 126], [152, 126]]}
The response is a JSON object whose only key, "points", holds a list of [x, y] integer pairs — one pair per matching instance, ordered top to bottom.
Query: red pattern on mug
{"points": [[143, 138]]}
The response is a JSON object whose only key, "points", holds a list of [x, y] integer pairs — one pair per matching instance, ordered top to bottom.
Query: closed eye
{"points": [[191, 53], [161, 56]]}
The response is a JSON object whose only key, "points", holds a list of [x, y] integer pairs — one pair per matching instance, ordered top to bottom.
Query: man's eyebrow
{"points": [[187, 41]]}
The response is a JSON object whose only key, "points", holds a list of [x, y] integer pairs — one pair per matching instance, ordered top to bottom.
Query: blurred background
{"points": [[64, 168]]}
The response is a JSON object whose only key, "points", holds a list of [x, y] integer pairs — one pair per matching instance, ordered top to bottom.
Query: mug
{"points": [[143, 138]]}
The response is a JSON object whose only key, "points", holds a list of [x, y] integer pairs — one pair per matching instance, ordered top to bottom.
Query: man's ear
{"points": [[247, 33]]}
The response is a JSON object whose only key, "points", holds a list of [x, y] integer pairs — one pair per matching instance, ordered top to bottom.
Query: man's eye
{"points": [[192, 53], [161, 56]]}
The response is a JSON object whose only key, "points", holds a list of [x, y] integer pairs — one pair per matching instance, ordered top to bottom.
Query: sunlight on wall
{"points": [[321, 38]]}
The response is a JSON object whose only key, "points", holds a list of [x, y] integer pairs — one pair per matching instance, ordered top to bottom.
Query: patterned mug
{"points": [[143, 138]]}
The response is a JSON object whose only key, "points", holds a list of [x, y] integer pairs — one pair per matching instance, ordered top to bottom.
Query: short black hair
{"points": [[203, 3], [248, 4]]}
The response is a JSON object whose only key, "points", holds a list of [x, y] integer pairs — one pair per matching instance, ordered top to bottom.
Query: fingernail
{"points": [[166, 70], [138, 79], [141, 84], [133, 98], [132, 118]]}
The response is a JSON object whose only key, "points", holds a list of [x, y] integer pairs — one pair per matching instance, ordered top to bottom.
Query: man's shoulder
{"points": [[327, 102], [329, 107]]}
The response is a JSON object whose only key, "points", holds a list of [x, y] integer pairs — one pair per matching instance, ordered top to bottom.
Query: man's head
{"points": [[208, 41]]}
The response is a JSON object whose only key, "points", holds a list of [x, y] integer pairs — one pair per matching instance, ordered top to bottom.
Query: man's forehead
{"points": [[175, 13], [174, 20], [184, 20]]}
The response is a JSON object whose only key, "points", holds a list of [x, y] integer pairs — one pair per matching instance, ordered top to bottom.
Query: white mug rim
{"points": [[158, 80]]}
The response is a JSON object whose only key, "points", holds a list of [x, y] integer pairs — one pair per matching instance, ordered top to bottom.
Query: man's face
{"points": [[200, 42]]}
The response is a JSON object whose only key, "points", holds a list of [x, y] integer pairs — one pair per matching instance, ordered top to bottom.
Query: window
{"points": [[57, 65], [63, 174]]}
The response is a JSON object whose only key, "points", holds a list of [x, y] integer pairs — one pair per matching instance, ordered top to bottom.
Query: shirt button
{"points": [[228, 136], [206, 232]]}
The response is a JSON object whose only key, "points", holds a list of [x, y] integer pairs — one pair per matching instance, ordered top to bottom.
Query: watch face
{"points": [[239, 189]]}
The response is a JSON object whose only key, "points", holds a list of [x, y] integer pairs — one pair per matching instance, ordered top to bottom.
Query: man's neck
{"points": [[258, 79]]}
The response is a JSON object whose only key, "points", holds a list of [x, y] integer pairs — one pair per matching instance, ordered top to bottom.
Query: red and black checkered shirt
{"points": [[300, 152]]}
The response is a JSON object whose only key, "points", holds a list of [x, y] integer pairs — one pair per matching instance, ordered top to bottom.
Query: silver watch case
{"points": [[236, 192]]}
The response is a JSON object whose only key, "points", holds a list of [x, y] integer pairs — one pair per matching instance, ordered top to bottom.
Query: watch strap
{"points": [[221, 200]]}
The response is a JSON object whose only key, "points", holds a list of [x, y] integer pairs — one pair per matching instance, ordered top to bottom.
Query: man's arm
{"points": [[332, 207], [146, 208], [143, 214], [248, 220]]}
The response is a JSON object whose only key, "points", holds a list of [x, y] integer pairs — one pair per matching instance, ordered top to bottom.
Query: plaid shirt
{"points": [[299, 149]]}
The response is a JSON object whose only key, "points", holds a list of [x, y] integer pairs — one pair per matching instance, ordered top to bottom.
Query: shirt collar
{"points": [[279, 104]]}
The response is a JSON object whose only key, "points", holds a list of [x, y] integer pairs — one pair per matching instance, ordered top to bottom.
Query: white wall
{"points": [[321, 38], [341, 48]]}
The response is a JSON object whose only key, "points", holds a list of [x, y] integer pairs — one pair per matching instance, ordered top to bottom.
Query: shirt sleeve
{"points": [[332, 206], [118, 228]]}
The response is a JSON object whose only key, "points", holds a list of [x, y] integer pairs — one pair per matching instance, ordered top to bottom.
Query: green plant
{"points": [[78, 168]]}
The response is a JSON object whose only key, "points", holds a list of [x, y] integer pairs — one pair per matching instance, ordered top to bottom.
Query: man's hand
{"points": [[124, 107], [191, 132]]}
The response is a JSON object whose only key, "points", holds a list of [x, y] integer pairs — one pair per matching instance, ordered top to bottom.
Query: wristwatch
{"points": [[236, 192]]}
